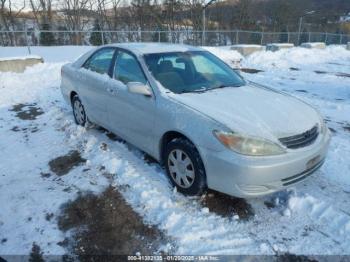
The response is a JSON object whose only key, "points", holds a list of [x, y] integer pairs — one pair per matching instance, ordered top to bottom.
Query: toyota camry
{"points": [[198, 117]]}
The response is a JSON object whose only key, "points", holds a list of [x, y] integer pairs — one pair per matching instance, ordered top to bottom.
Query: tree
{"points": [[42, 10], [75, 11], [8, 18], [243, 19], [96, 35], [160, 36], [284, 36], [62, 37], [304, 37], [46, 38]]}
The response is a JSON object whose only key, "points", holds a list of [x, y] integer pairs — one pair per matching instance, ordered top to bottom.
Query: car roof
{"points": [[142, 48]]}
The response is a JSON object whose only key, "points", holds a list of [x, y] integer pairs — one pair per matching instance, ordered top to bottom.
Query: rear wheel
{"points": [[78, 111], [184, 167]]}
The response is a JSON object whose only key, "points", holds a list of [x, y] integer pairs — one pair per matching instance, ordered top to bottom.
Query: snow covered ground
{"points": [[37, 126]]}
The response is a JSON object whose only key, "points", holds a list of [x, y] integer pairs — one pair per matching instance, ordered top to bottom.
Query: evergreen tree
{"points": [[96, 36], [160, 36], [283, 36], [62, 37], [304, 37], [46, 38], [255, 38]]}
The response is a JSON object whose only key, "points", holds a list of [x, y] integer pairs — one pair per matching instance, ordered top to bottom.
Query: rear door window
{"points": [[100, 61]]}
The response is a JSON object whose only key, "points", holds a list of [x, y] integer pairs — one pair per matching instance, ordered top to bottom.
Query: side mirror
{"points": [[139, 88]]}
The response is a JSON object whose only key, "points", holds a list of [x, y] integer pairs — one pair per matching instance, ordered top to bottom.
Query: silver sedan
{"points": [[208, 126]]}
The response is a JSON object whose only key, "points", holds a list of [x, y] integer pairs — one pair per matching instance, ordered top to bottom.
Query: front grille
{"points": [[301, 140]]}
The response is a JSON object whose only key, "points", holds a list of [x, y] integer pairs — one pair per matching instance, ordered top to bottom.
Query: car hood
{"points": [[254, 111]]}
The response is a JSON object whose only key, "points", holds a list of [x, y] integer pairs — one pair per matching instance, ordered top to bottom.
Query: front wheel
{"points": [[78, 111], [184, 167]]}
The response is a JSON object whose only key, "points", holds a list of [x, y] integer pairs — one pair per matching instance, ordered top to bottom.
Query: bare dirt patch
{"points": [[332, 63], [294, 69], [251, 70], [320, 72], [339, 74], [342, 74], [27, 111], [31, 128], [347, 128], [15, 129], [332, 130], [109, 134], [113, 137], [149, 159], [63, 164], [45, 175], [278, 201], [227, 206], [49, 216], [107, 225], [36, 255]]}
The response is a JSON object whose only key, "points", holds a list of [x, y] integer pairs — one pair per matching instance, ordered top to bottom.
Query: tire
{"points": [[79, 112], [184, 167]]}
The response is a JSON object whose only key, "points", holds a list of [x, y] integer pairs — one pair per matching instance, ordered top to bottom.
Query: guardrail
{"points": [[211, 37]]}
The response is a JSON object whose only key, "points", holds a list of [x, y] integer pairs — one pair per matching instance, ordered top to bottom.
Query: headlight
{"points": [[248, 145]]}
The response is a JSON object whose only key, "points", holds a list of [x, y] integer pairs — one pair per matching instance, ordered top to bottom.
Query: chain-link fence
{"points": [[210, 38]]}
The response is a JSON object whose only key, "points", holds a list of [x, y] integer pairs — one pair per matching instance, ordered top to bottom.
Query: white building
{"points": [[345, 18]]}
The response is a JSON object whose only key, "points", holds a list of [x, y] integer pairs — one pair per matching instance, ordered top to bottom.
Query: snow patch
{"points": [[20, 58]]}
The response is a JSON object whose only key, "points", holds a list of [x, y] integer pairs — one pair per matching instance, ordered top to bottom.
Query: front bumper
{"points": [[246, 176]]}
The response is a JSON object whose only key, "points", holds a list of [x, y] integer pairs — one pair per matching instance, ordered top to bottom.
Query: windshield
{"points": [[196, 71]]}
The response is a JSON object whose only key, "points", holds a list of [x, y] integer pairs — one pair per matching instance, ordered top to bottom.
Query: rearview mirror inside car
{"points": [[180, 60], [139, 88]]}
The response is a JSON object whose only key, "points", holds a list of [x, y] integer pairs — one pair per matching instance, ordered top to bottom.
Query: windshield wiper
{"points": [[223, 86], [201, 90]]}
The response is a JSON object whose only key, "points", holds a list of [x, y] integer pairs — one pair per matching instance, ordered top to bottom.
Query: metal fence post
{"points": [[203, 27], [158, 36], [309, 36], [102, 38], [262, 38], [326, 38], [341, 39], [237, 41], [27, 42]]}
